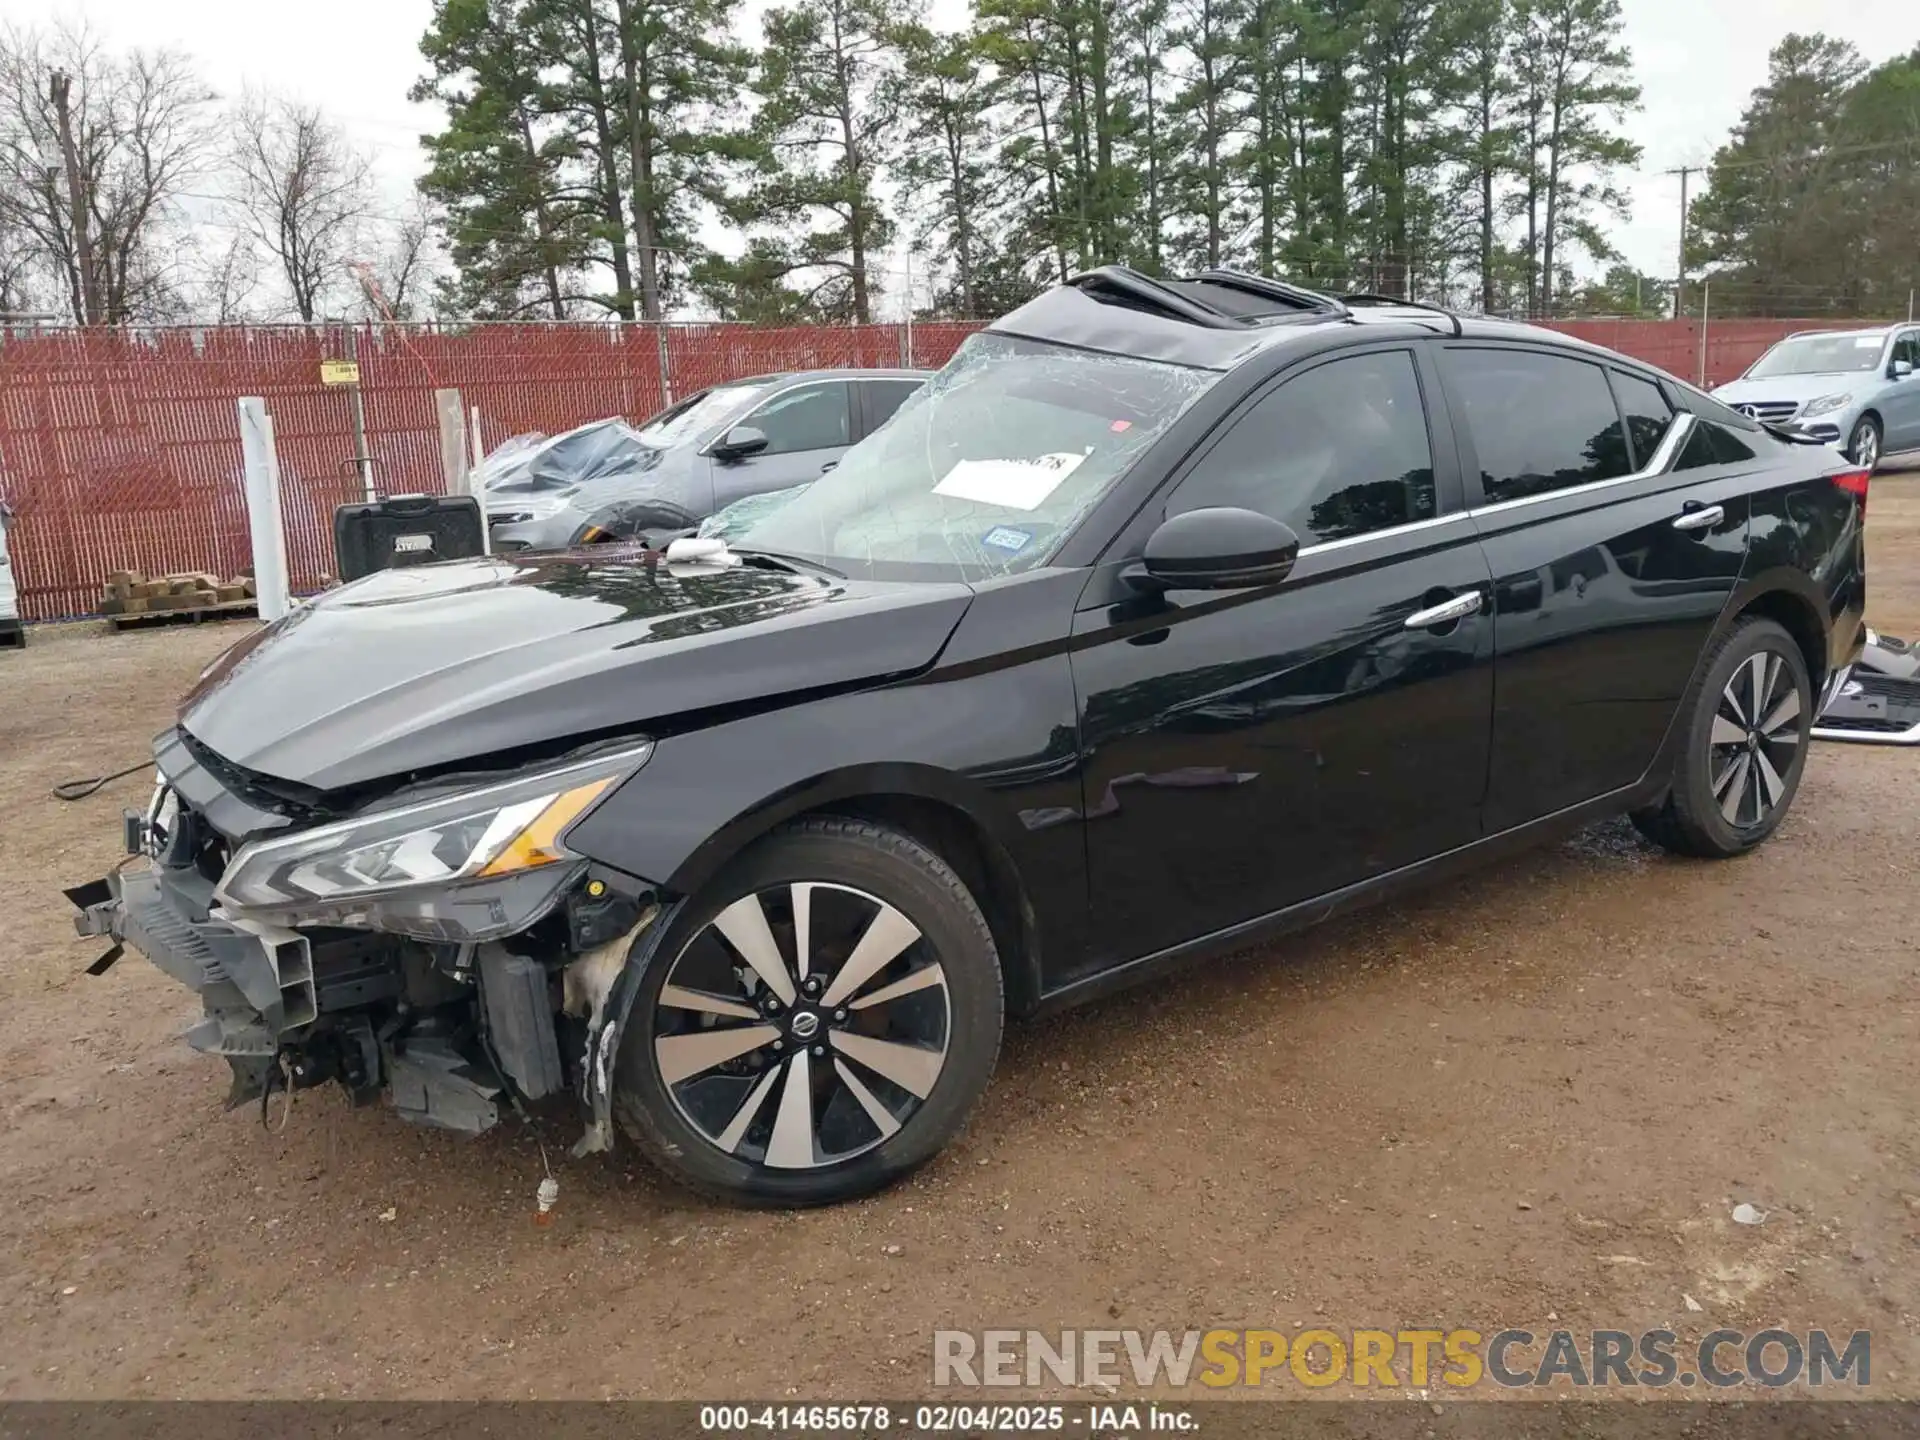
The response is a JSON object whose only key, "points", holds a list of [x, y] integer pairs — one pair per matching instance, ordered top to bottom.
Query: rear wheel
{"points": [[1864, 444], [1748, 720], [819, 1023]]}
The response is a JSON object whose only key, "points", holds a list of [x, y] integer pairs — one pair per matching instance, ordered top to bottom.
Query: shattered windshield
{"points": [[1820, 355], [696, 414], [985, 469]]}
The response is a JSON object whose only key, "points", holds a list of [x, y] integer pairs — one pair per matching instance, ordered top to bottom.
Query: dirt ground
{"points": [[1529, 1100]]}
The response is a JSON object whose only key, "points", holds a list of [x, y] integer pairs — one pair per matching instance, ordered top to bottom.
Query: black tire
{"points": [[1866, 431], [1729, 795], [847, 864]]}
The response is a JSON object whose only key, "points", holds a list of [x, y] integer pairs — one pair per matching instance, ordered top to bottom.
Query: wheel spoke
{"points": [[1757, 684], [1731, 695], [1787, 710], [1725, 732], [1725, 777], [1770, 782], [1736, 791], [1754, 793], [744, 924], [802, 926], [888, 935], [919, 980], [678, 997], [682, 1056], [908, 1066], [881, 1116], [729, 1139], [791, 1145]]}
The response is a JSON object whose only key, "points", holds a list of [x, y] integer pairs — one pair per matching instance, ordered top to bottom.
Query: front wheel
{"points": [[1864, 444], [1748, 721], [819, 1023]]}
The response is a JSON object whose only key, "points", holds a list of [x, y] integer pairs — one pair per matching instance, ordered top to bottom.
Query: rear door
{"points": [[808, 428], [1611, 565], [1249, 749]]}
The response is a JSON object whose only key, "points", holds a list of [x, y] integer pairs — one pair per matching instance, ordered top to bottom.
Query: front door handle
{"points": [[1701, 519], [1446, 613]]}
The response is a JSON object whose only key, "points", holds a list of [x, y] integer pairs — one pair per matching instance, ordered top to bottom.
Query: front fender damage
{"points": [[603, 985]]}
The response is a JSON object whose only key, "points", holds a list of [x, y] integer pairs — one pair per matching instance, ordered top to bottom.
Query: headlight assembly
{"points": [[1826, 404], [422, 862]]}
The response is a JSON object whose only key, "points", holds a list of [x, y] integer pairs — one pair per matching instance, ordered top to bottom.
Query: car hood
{"points": [[1792, 387], [430, 666]]}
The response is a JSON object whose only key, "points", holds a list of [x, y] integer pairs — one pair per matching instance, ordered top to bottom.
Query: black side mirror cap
{"points": [[740, 440], [1218, 548]]}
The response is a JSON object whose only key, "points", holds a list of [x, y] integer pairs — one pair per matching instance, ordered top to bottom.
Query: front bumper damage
{"points": [[452, 1034]]}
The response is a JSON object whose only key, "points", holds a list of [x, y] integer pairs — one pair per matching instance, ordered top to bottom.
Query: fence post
{"points": [[1706, 299], [453, 441], [263, 508]]}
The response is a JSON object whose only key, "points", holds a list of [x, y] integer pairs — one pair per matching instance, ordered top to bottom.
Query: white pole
{"points": [[909, 364], [478, 485], [263, 509]]}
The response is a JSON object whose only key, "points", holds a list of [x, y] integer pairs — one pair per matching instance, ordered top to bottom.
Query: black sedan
{"points": [[1169, 616]]}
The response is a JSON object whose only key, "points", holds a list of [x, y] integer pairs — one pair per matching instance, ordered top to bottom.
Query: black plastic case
{"points": [[406, 530]]}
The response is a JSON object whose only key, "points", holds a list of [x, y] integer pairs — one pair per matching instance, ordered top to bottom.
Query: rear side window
{"points": [[884, 397], [1647, 414], [1539, 423], [1712, 443], [1339, 451]]}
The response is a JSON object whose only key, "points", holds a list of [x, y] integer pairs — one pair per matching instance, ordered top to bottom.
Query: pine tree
{"points": [[946, 166]]}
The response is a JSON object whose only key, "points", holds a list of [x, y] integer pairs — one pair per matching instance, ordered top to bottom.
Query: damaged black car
{"points": [[1168, 617]]}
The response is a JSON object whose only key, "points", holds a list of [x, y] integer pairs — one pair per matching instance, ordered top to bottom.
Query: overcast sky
{"points": [[1696, 61]]}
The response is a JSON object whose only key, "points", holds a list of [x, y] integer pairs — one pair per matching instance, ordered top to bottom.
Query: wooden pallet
{"points": [[225, 610]]}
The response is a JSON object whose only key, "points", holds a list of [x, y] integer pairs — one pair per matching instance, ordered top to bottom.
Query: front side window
{"points": [[1907, 348], [1822, 355], [1647, 412], [813, 417], [1539, 423], [1337, 452], [987, 467]]}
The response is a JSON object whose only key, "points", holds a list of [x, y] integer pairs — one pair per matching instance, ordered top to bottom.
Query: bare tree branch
{"points": [[303, 193]]}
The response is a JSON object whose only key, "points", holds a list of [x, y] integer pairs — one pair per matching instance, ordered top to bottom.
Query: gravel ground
{"points": [[1531, 1099]]}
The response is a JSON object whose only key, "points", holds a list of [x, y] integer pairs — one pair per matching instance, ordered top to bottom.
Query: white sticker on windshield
{"points": [[1867, 342], [1015, 484]]}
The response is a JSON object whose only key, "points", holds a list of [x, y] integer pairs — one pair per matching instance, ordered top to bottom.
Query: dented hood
{"points": [[424, 667]]}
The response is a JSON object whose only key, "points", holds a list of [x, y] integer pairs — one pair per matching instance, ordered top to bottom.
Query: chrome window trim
{"points": [[1662, 461], [1412, 525]]}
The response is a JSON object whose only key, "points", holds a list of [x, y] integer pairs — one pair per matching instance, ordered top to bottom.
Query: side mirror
{"points": [[1902, 369], [739, 441], [1220, 548]]}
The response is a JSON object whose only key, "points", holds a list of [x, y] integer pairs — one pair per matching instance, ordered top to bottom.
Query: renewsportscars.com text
{"points": [[1410, 1359]]}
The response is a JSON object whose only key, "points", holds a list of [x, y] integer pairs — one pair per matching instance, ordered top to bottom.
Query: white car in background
{"points": [[10, 631]]}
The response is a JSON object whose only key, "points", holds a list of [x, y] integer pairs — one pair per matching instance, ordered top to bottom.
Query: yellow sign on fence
{"points": [[339, 372]]}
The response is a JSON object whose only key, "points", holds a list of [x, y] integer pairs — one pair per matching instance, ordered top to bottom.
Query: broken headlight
{"points": [[438, 868]]}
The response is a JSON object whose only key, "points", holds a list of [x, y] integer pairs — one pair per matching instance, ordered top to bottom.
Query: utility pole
{"points": [[1680, 282], [86, 291]]}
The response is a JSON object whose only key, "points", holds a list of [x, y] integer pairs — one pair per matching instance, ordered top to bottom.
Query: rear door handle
{"points": [[1700, 519], [1447, 612]]}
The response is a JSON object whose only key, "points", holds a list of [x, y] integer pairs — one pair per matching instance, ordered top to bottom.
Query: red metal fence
{"points": [[121, 449]]}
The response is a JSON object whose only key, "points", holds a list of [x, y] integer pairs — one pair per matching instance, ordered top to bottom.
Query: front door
{"points": [[808, 428], [1613, 554], [1249, 749]]}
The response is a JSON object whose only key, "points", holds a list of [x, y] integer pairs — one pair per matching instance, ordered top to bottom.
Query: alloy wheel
{"points": [[1866, 448], [1754, 740], [803, 1025]]}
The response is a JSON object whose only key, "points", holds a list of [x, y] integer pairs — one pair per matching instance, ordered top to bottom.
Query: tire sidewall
{"points": [[1753, 636], [914, 881]]}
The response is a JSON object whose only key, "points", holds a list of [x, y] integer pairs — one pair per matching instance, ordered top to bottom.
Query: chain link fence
{"points": [[120, 449]]}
